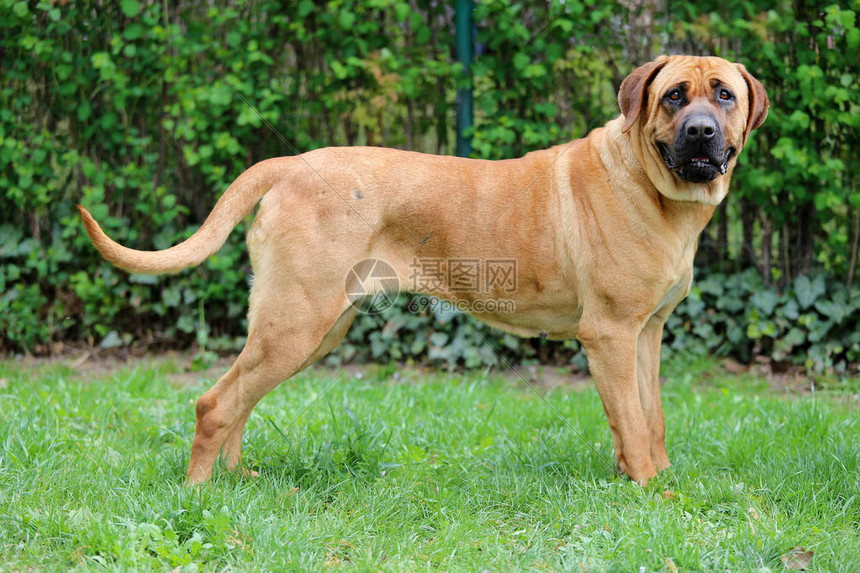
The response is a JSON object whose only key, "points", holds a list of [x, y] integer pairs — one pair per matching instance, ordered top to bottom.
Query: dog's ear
{"points": [[633, 95], [757, 99]]}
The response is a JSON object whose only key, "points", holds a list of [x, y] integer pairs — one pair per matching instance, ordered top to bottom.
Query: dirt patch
{"points": [[97, 364], [179, 368], [548, 377], [784, 379]]}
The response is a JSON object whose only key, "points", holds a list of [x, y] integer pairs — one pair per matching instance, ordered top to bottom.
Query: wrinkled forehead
{"points": [[699, 76]]}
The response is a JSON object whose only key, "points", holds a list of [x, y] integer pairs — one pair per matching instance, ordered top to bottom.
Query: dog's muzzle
{"points": [[699, 152]]}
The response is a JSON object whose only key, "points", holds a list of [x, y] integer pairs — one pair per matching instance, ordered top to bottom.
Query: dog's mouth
{"points": [[699, 166]]}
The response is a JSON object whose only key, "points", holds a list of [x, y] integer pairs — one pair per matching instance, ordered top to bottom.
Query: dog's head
{"points": [[689, 117]]}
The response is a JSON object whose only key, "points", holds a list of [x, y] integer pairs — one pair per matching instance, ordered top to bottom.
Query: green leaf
{"points": [[130, 8], [305, 8], [20, 9], [401, 11], [346, 20], [564, 24], [134, 31], [852, 38], [521, 60], [85, 109], [25, 180], [143, 279], [807, 291], [765, 300], [790, 310], [833, 310], [795, 337], [438, 339], [111, 340]]}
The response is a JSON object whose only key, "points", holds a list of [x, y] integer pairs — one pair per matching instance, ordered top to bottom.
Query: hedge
{"points": [[138, 110]]}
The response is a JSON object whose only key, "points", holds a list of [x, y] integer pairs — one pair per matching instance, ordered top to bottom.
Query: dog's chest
{"points": [[677, 286], [674, 294]]}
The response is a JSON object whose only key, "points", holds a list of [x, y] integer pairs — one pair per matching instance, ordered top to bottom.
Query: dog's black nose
{"points": [[701, 128]]}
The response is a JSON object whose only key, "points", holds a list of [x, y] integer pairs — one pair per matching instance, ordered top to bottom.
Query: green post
{"points": [[464, 26]]}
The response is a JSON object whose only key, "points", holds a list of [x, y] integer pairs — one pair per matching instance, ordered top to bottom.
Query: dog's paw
{"points": [[245, 472], [641, 477]]}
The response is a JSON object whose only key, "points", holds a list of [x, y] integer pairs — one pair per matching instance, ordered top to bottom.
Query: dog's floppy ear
{"points": [[633, 95], [758, 101]]}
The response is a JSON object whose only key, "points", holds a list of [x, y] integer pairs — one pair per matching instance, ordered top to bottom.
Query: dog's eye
{"points": [[675, 95], [726, 95]]}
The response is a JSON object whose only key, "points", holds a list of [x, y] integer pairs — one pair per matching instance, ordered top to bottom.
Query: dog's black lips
{"points": [[666, 154], [725, 165], [699, 168]]}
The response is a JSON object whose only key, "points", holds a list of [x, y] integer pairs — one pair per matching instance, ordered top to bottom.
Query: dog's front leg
{"points": [[611, 350], [648, 374]]}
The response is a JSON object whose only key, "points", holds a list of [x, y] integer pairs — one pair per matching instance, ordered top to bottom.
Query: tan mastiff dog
{"points": [[603, 231]]}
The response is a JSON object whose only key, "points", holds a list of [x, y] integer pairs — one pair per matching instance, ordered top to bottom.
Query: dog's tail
{"points": [[239, 198]]}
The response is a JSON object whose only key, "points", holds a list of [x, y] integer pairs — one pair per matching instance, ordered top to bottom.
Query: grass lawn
{"points": [[407, 469]]}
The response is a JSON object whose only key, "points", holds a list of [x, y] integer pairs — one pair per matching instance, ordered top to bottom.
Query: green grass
{"points": [[418, 470]]}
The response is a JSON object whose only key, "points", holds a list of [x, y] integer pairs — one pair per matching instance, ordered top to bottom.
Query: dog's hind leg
{"points": [[298, 311], [281, 342], [233, 445]]}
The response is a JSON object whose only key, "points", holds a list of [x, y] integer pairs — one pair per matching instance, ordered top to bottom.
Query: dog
{"points": [[602, 230]]}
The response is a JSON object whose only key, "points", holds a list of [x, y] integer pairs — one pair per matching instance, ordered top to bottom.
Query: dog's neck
{"points": [[684, 218]]}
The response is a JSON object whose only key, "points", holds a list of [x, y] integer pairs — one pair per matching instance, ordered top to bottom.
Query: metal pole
{"points": [[464, 25]]}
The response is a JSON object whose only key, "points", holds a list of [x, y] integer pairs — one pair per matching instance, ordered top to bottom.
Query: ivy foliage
{"points": [[145, 111], [812, 323]]}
